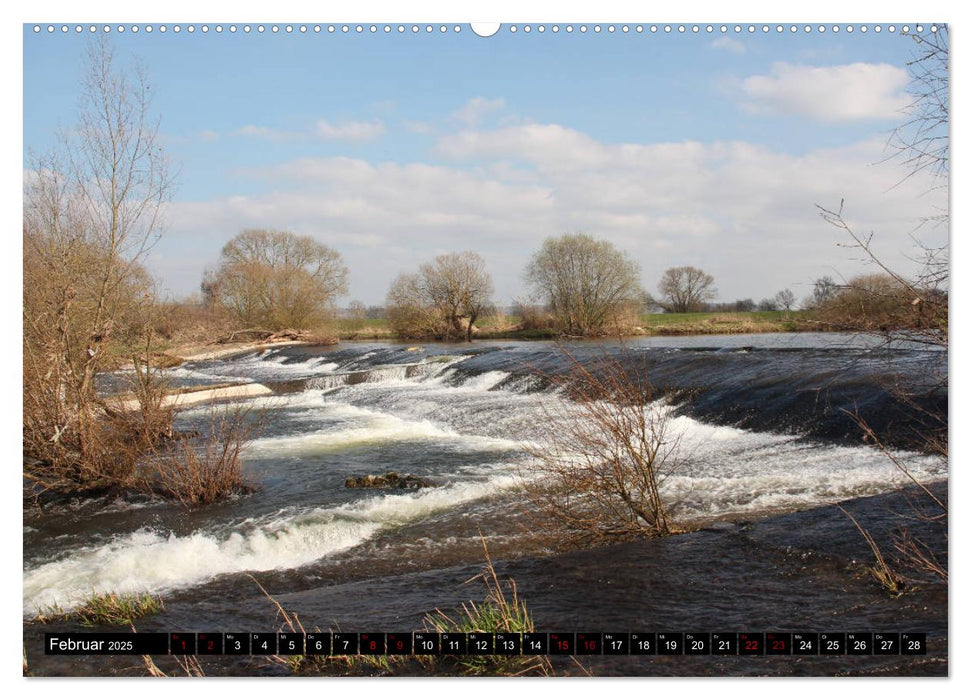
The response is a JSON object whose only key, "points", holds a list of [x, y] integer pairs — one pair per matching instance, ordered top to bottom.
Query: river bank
{"points": [[676, 324]]}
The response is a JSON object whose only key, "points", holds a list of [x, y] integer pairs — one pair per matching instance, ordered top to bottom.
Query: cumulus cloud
{"points": [[726, 43], [853, 92], [474, 112], [350, 131], [546, 144], [743, 212]]}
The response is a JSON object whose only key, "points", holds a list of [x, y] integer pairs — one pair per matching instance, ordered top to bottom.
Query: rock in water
{"points": [[390, 480]]}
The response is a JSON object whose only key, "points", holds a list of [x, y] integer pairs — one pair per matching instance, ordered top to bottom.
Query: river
{"points": [[765, 426]]}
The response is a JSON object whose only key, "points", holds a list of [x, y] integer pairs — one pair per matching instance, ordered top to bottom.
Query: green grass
{"points": [[105, 609], [501, 611]]}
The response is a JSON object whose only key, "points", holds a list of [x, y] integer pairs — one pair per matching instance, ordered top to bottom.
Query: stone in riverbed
{"points": [[391, 480]]}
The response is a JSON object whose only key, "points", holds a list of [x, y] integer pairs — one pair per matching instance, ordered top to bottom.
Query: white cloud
{"points": [[726, 43], [853, 92], [474, 112], [416, 127], [350, 131], [264, 132], [550, 144], [741, 211]]}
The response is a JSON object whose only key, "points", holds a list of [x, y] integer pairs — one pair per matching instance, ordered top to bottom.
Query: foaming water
{"points": [[468, 417], [368, 427], [152, 560]]}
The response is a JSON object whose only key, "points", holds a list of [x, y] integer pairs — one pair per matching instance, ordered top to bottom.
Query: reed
{"points": [[888, 579]]}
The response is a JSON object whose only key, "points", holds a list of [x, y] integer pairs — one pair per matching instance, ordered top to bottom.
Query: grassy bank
{"points": [[736, 322], [509, 327]]}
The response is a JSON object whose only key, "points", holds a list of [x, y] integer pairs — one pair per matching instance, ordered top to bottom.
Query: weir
{"points": [[754, 439]]}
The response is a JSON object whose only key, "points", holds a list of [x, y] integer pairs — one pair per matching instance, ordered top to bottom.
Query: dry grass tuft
{"points": [[888, 579]]}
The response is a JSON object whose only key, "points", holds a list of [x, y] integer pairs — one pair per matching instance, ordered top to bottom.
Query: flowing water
{"points": [[765, 425]]}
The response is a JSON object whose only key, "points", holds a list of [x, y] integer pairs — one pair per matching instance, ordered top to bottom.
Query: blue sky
{"points": [[702, 149]]}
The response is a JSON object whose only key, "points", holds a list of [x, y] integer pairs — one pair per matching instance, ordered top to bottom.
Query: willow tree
{"points": [[277, 279], [584, 282], [444, 298]]}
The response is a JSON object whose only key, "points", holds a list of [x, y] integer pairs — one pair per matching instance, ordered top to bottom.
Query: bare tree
{"points": [[923, 140], [91, 210], [276, 279], [584, 282], [459, 286], [685, 289], [824, 289], [446, 296], [786, 299], [891, 301], [410, 315], [607, 451]]}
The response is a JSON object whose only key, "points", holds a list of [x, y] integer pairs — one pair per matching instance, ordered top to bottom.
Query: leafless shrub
{"points": [[885, 305], [532, 316], [624, 318], [191, 320], [606, 454], [199, 471], [928, 507], [919, 555]]}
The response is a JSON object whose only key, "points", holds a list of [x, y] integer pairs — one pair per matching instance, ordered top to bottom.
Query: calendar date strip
{"points": [[489, 643]]}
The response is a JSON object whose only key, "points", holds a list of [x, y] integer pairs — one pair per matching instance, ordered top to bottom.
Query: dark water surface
{"points": [[765, 430]]}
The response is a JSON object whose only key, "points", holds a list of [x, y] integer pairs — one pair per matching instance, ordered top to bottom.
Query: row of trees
{"points": [[276, 279], [584, 285], [581, 286]]}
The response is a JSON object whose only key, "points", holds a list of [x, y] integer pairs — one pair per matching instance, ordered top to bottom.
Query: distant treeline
{"points": [[578, 286]]}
